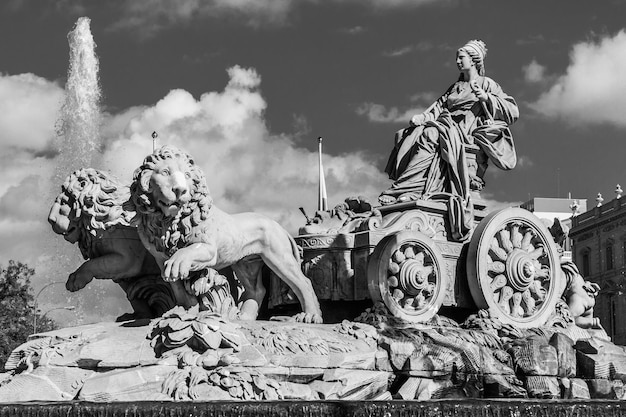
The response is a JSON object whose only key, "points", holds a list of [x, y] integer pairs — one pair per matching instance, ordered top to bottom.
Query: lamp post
{"points": [[35, 305], [68, 308]]}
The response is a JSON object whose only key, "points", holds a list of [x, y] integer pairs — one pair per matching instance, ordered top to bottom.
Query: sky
{"points": [[247, 86]]}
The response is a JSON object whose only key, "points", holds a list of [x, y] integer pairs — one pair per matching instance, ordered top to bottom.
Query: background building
{"points": [[560, 208], [598, 239]]}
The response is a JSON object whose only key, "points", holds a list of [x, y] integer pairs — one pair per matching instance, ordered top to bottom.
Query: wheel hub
{"points": [[520, 269], [413, 277]]}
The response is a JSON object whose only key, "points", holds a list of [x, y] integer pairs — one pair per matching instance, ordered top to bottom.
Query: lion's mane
{"points": [[97, 199], [168, 234]]}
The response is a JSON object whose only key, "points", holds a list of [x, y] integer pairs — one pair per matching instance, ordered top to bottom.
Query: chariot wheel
{"points": [[513, 268], [407, 273]]}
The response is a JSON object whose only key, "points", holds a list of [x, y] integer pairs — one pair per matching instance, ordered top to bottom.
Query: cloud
{"points": [[149, 16], [146, 18], [354, 30], [531, 40], [421, 46], [405, 50], [534, 72], [591, 90], [28, 111], [379, 113], [247, 167], [493, 204]]}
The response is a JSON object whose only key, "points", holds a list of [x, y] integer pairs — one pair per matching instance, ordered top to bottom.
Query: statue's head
{"points": [[477, 51], [166, 182], [170, 195], [90, 202]]}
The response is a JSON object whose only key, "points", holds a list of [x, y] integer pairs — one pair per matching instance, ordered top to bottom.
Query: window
{"points": [[609, 257], [586, 271]]}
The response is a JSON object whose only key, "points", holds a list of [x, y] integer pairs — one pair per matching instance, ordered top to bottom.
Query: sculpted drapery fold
{"points": [[429, 157]]}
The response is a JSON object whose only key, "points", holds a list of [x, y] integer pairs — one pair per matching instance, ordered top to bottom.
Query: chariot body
{"points": [[404, 256]]}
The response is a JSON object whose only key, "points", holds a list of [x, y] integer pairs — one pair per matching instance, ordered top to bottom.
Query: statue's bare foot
{"points": [[410, 196], [385, 199], [308, 318]]}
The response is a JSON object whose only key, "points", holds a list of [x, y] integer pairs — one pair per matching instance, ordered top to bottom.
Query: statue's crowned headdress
{"points": [[477, 50]]}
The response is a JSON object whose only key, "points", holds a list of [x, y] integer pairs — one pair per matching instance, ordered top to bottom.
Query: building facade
{"points": [[549, 209], [598, 238]]}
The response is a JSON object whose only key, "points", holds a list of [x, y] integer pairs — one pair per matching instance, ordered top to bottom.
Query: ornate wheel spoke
{"points": [[516, 236], [504, 238], [525, 245], [497, 251], [537, 253], [419, 257], [511, 259], [496, 267], [406, 272], [543, 272], [498, 282], [537, 290], [505, 297], [528, 302], [516, 308]]}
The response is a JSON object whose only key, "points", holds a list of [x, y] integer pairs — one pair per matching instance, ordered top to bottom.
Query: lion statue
{"points": [[89, 211], [187, 234]]}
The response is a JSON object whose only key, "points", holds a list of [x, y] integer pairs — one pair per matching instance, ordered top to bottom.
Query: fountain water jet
{"points": [[78, 127], [78, 140]]}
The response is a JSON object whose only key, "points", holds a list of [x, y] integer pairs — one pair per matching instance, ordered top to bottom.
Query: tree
{"points": [[16, 308]]}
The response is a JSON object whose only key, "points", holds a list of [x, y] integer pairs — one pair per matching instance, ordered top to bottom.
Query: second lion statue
{"points": [[186, 233]]}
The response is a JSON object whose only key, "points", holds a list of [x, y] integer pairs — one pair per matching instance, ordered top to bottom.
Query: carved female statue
{"points": [[429, 155]]}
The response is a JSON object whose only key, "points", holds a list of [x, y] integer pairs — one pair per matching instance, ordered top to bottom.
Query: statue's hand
{"points": [[478, 91], [418, 119], [78, 280]]}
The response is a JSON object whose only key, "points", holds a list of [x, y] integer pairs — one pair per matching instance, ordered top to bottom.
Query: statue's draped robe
{"points": [[430, 158]]}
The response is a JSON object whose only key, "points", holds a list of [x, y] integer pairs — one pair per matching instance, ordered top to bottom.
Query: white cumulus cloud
{"points": [[534, 72], [592, 89], [28, 110], [379, 113], [247, 167]]}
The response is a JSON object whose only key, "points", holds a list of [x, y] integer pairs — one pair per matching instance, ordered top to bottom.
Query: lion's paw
{"points": [[78, 281], [308, 318]]}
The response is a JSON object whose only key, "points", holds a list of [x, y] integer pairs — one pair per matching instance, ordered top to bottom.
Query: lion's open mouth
{"points": [[169, 203], [170, 208], [71, 234]]}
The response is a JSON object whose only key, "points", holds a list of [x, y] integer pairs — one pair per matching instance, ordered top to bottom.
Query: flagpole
{"points": [[322, 201]]}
